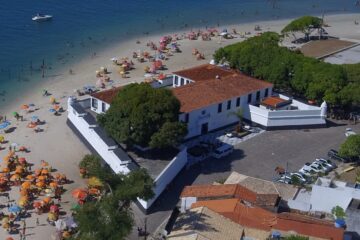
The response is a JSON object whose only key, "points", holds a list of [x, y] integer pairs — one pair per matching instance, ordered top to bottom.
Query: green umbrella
{"points": [[15, 113], [75, 207]]}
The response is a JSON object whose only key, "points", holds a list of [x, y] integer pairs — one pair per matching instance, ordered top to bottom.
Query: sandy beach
{"points": [[58, 145]]}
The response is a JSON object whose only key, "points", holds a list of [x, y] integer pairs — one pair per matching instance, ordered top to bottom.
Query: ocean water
{"points": [[80, 28]]}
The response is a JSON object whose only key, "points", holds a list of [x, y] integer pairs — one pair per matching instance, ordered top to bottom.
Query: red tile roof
{"points": [[205, 72], [204, 93], [107, 95], [275, 102], [256, 217]]}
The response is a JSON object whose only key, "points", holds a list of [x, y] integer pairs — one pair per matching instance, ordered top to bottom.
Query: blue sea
{"points": [[81, 27]]}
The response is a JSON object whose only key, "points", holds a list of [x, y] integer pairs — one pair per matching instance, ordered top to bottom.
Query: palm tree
{"points": [[239, 114]]}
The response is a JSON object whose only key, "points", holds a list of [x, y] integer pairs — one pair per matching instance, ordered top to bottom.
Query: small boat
{"points": [[42, 17]]}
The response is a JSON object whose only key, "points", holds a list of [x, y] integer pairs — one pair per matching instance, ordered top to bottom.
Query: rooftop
{"points": [[321, 48], [348, 56], [205, 72], [204, 93], [107, 95], [275, 102], [261, 186], [203, 223]]}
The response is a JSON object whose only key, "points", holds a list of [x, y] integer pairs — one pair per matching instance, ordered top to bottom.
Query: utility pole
{"points": [[43, 68]]}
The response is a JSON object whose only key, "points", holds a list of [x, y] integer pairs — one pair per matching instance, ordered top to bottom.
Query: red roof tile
{"points": [[205, 72], [204, 93], [107, 95], [275, 102], [209, 190], [219, 206]]}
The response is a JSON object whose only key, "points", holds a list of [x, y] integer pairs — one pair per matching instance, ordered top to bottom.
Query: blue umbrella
{"points": [[31, 105], [52, 110], [34, 118], [4, 125], [14, 209]]}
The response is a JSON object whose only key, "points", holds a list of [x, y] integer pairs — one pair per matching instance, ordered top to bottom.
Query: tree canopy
{"points": [[303, 24], [290, 71], [141, 115], [351, 147], [111, 217]]}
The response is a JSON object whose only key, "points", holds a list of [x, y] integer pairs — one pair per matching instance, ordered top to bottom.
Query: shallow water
{"points": [[80, 28]]}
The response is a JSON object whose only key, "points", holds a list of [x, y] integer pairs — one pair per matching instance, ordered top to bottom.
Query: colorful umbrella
{"points": [[24, 107], [15, 114], [34, 118], [4, 125], [2, 138], [22, 160], [6, 170], [44, 171], [15, 177], [30, 177], [95, 182], [40, 184], [53, 184], [26, 185], [79, 193], [47, 200], [37, 204], [75, 207], [54, 208], [14, 209]]}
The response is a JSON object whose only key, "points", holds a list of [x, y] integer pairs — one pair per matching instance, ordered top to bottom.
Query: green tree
{"points": [[303, 24], [139, 112], [240, 115], [170, 134], [351, 147], [92, 165], [338, 212], [296, 237]]}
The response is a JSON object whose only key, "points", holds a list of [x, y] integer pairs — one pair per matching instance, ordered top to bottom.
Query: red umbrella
{"points": [[22, 160], [79, 193], [37, 204], [54, 208]]}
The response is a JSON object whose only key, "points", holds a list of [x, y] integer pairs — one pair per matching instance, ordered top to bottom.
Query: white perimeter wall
{"points": [[166, 176]]}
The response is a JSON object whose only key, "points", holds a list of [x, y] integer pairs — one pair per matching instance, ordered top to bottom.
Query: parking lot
{"points": [[255, 157]]}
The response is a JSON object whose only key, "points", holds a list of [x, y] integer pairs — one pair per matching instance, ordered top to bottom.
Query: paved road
{"points": [[256, 157]]}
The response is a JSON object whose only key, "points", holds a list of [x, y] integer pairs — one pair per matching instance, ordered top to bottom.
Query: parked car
{"points": [[349, 132], [223, 150], [333, 154], [327, 162], [323, 166], [307, 167], [317, 168], [306, 172], [299, 176], [285, 179]]}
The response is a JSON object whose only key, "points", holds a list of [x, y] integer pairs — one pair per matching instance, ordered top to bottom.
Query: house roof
{"points": [[205, 72], [205, 93], [106, 95], [275, 102], [261, 186], [209, 190], [220, 206], [259, 218], [203, 223]]}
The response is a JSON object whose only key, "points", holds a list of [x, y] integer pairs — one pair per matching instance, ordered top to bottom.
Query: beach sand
{"points": [[58, 145]]}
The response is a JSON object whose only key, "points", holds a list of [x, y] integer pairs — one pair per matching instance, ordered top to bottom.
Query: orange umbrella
{"points": [[24, 107], [56, 107], [6, 158], [44, 163], [6, 170], [19, 170], [44, 171], [37, 172], [57, 175], [15, 177], [30, 177], [41, 178], [40, 184], [53, 184], [26, 185], [24, 192], [79, 193], [47, 200], [37, 204], [9, 238]]}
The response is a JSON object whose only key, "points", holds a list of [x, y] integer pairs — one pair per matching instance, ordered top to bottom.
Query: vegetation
{"points": [[303, 24], [292, 72], [239, 114], [144, 116], [351, 147], [338, 212], [111, 217], [296, 237]]}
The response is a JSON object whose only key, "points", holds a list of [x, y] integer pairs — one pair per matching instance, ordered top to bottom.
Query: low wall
{"points": [[166, 176]]}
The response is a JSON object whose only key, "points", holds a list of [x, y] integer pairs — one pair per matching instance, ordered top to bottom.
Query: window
{"points": [[176, 80], [181, 81], [266, 92], [258, 96], [249, 98], [238, 102], [94, 103], [228, 104], [103, 107], [219, 107], [203, 112], [187, 117]]}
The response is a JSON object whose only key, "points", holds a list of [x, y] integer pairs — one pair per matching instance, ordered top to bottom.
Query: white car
{"points": [[349, 132], [327, 162], [317, 168], [306, 172], [298, 176]]}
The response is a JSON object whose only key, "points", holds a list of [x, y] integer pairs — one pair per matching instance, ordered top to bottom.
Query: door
{"points": [[204, 128]]}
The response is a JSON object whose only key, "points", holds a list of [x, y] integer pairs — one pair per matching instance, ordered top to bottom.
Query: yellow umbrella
{"points": [[52, 100], [2, 138], [95, 182], [22, 202], [52, 216]]}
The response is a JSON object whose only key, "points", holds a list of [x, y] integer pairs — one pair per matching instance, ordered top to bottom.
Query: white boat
{"points": [[42, 17]]}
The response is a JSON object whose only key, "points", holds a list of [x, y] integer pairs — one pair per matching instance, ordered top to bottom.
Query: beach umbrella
{"points": [[52, 100], [31, 105], [24, 107], [52, 110], [15, 114], [34, 118], [4, 125], [2, 138], [14, 145], [22, 160], [44, 163], [6, 170], [44, 171], [15, 177], [30, 177], [41, 178], [95, 182], [40, 184], [53, 184], [26, 185], [94, 191], [24, 192], [79, 193], [47, 200], [22, 202], [37, 204], [75, 207], [14, 208], [54, 208], [52, 216], [5, 220], [70, 222], [60, 224], [9, 238]]}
